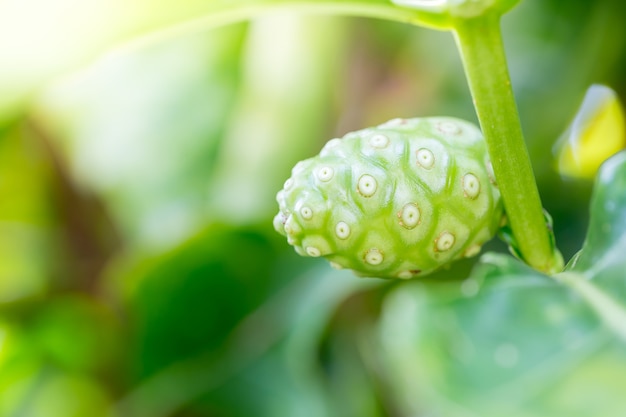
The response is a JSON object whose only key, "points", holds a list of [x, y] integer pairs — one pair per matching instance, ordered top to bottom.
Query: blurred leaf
{"points": [[283, 109], [141, 128], [597, 132], [171, 134], [26, 217], [52, 236], [187, 301], [212, 310], [76, 334], [507, 341], [511, 341], [51, 357], [348, 361], [284, 378], [53, 394]]}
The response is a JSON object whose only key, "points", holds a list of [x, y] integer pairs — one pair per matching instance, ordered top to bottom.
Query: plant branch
{"points": [[232, 14], [480, 44]]}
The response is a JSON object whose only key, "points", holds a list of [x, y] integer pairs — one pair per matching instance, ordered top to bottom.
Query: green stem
{"points": [[214, 17], [480, 43]]}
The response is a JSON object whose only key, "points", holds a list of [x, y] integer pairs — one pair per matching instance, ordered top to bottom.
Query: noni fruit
{"points": [[396, 201]]}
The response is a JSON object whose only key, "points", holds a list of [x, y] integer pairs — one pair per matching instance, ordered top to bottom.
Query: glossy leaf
{"points": [[605, 243], [601, 260], [507, 341]]}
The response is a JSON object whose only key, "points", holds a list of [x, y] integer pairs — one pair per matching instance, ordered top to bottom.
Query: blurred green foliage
{"points": [[139, 272]]}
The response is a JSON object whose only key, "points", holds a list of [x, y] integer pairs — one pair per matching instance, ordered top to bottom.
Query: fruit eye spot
{"points": [[394, 122], [448, 128], [379, 141], [332, 143], [425, 158], [299, 167], [325, 174], [492, 176], [367, 185], [471, 186], [306, 213], [409, 216], [279, 222], [287, 227], [291, 227], [342, 230], [444, 242], [313, 251], [472, 251], [374, 257], [335, 265], [405, 275]]}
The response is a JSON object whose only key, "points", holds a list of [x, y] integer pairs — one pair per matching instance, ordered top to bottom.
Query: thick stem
{"points": [[480, 44]]}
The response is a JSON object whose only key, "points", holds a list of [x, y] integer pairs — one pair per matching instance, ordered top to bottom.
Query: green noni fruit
{"points": [[397, 201]]}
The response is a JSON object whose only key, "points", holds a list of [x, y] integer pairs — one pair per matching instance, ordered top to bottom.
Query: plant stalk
{"points": [[480, 44]]}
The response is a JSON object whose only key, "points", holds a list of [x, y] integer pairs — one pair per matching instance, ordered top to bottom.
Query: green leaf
{"points": [[290, 78], [141, 129], [193, 138], [27, 219], [602, 256], [598, 271], [201, 284], [217, 317], [76, 333], [507, 341], [512, 341], [57, 358], [55, 394]]}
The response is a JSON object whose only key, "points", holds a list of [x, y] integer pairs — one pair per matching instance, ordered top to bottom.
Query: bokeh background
{"points": [[140, 154]]}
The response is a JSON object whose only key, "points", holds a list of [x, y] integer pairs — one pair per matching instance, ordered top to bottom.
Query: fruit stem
{"points": [[480, 44]]}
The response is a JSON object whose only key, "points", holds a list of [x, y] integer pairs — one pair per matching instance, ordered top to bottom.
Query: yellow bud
{"points": [[597, 132]]}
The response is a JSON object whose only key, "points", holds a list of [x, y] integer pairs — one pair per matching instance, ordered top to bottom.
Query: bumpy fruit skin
{"points": [[395, 201]]}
